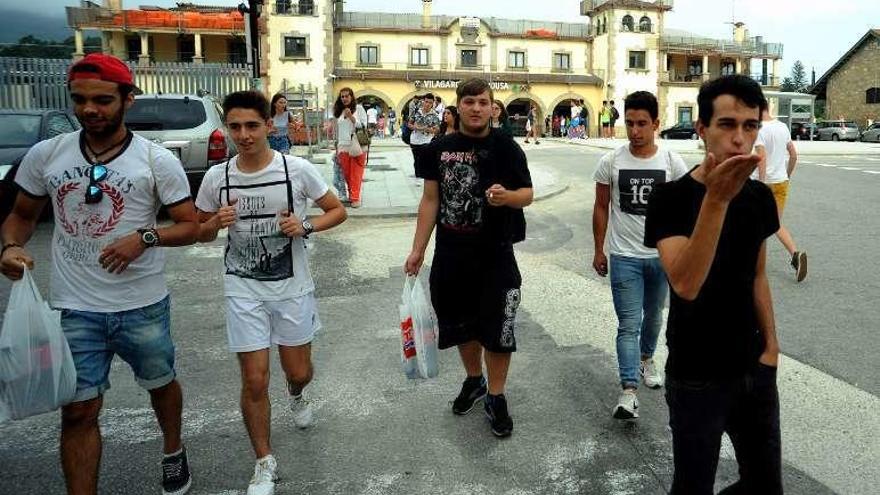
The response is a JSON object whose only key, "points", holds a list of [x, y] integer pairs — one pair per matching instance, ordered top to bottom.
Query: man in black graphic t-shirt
{"points": [[476, 184], [710, 228]]}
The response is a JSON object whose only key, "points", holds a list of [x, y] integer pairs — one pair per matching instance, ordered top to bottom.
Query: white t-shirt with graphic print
{"points": [[141, 177], [632, 180], [261, 262]]}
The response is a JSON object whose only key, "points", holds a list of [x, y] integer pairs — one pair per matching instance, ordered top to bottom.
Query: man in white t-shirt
{"points": [[372, 120], [778, 160], [625, 178], [106, 186], [262, 197]]}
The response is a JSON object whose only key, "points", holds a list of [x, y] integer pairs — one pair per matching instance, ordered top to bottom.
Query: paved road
{"points": [[380, 434]]}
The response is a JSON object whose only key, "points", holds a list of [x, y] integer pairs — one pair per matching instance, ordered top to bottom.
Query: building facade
{"points": [[189, 33], [310, 49], [851, 87]]}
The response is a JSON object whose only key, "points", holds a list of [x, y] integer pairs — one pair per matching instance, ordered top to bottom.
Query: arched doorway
{"points": [[518, 111], [377, 113], [561, 117]]}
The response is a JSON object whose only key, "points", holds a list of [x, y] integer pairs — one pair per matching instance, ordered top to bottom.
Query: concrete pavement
{"points": [[390, 188]]}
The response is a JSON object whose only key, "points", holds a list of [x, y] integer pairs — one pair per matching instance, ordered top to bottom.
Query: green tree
{"points": [[32, 47], [799, 77]]}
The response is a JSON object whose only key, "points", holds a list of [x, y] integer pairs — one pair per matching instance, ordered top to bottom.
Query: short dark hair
{"points": [[474, 87], [743, 88], [429, 96], [438, 99], [249, 100], [642, 100], [612, 102]]}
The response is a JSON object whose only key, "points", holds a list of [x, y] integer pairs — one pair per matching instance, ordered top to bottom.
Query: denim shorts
{"points": [[141, 337]]}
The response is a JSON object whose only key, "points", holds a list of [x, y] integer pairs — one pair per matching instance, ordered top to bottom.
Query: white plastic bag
{"points": [[355, 150], [426, 332], [407, 337], [37, 373]]}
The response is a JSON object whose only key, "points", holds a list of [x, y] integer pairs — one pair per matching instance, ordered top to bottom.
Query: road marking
{"points": [[849, 168], [876, 172], [818, 411]]}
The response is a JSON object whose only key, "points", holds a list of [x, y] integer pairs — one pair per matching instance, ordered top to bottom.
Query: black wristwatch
{"points": [[308, 229], [150, 237]]}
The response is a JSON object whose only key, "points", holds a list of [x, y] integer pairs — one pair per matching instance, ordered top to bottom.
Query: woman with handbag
{"points": [[281, 120], [351, 122]]}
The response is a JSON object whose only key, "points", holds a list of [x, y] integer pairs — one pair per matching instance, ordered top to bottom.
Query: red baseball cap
{"points": [[102, 67]]}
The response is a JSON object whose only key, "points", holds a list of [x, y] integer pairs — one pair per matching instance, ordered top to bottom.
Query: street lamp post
{"points": [[252, 13]]}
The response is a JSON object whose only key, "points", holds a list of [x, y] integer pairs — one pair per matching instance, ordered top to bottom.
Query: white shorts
{"points": [[252, 325]]}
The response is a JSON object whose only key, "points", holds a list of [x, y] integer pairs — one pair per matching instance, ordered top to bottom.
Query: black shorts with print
{"points": [[476, 297]]}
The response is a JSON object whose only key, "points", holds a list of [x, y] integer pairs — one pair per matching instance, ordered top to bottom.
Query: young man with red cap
{"points": [[106, 186]]}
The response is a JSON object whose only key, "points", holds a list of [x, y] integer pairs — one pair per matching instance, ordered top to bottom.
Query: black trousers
{"points": [[417, 151], [747, 409]]}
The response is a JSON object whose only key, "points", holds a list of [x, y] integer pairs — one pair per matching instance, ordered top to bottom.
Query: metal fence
{"points": [[42, 83]]}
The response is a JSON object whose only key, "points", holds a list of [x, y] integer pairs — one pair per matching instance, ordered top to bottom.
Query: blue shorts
{"points": [[141, 337]]}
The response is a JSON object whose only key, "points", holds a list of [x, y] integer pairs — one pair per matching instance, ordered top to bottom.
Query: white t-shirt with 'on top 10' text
{"points": [[632, 180]]}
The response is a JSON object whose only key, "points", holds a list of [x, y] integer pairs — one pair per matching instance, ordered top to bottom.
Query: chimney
{"points": [[426, 14], [739, 32]]}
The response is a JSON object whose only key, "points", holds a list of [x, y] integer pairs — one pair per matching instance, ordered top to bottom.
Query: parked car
{"points": [[191, 126], [19, 130], [682, 130], [838, 130], [801, 131], [872, 133]]}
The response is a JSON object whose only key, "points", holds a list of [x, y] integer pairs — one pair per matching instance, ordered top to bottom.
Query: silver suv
{"points": [[191, 126], [838, 130]]}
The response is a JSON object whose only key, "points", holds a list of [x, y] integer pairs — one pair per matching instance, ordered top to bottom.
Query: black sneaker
{"points": [[799, 263], [472, 390], [499, 419], [176, 478]]}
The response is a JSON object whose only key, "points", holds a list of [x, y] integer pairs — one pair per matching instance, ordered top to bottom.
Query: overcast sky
{"points": [[817, 32]]}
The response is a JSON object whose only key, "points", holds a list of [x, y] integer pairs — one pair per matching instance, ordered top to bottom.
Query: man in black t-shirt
{"points": [[476, 184], [710, 228]]}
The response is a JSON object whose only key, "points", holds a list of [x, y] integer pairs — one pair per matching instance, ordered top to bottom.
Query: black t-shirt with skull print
{"points": [[465, 168]]}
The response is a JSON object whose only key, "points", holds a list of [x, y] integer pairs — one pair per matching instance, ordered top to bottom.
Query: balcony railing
{"points": [[589, 6], [97, 18], [498, 26], [753, 47], [455, 71], [697, 79]]}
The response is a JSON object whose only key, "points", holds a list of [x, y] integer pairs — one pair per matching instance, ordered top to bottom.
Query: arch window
{"points": [[627, 24], [645, 25], [872, 95]]}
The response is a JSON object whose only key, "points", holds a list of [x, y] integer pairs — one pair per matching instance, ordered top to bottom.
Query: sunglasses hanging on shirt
{"points": [[98, 173]]}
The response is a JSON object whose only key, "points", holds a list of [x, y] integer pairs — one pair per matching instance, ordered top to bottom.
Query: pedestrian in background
{"points": [[350, 116], [500, 118], [282, 120], [425, 123], [778, 161], [625, 178]]}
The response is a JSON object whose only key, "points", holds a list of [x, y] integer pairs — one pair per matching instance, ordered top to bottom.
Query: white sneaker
{"points": [[650, 374], [627, 405], [302, 411], [263, 482]]}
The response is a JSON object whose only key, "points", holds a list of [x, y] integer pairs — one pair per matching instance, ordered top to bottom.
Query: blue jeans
{"points": [[279, 142], [639, 288], [141, 337]]}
